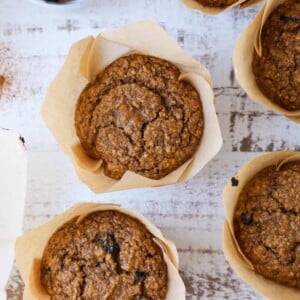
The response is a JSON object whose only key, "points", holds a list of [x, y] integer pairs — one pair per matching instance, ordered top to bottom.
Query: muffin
{"points": [[216, 3], [276, 70], [138, 116], [125, 149], [267, 223], [105, 255]]}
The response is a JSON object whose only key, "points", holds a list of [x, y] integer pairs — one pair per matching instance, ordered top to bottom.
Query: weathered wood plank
{"points": [[34, 41]]}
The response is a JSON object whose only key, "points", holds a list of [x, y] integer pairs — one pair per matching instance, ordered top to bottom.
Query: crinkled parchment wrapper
{"points": [[194, 5], [248, 42], [86, 59], [31, 245], [240, 264]]}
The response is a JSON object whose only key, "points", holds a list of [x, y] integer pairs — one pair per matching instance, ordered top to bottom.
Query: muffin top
{"points": [[217, 3], [277, 70], [138, 116], [267, 223], [108, 255]]}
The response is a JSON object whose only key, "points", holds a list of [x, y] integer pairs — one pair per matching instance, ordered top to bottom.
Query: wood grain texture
{"points": [[34, 41]]}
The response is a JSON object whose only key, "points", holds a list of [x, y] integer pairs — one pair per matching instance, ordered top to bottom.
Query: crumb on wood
{"points": [[231, 76], [2, 81], [22, 140], [234, 181]]}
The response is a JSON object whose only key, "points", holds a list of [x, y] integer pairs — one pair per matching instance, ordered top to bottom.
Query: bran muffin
{"points": [[217, 3], [277, 70], [137, 115], [267, 223], [107, 255]]}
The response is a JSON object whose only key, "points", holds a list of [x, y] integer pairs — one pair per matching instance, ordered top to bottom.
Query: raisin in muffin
{"points": [[277, 70], [137, 115], [267, 223], [107, 255]]}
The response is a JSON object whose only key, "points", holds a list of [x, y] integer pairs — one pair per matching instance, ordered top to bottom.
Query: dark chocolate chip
{"points": [[286, 18], [234, 181], [246, 219], [109, 244], [149, 255], [139, 276]]}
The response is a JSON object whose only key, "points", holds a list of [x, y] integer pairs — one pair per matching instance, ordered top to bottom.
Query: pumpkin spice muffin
{"points": [[217, 3], [277, 70], [138, 116], [267, 223], [107, 255]]}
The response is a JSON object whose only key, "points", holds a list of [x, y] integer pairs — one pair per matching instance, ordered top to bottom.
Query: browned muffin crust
{"points": [[217, 3], [277, 71], [138, 116], [267, 223], [108, 255]]}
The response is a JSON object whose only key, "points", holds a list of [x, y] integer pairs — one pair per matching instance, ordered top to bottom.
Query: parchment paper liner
{"points": [[196, 6], [248, 42], [86, 58], [30, 247], [241, 265]]}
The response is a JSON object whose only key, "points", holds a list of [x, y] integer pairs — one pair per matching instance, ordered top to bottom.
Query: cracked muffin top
{"points": [[277, 70], [138, 116], [267, 223], [107, 255]]}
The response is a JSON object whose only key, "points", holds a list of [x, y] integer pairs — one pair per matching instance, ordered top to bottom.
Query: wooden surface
{"points": [[34, 40]]}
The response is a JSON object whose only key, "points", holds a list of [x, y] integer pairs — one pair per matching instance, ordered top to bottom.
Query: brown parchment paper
{"points": [[197, 6], [248, 42], [91, 55], [30, 247], [241, 265]]}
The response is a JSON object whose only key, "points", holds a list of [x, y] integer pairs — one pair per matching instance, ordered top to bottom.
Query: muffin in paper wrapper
{"points": [[210, 10], [248, 42], [90, 56], [31, 245], [240, 264]]}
